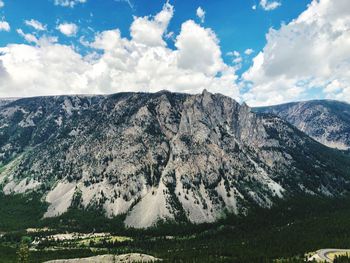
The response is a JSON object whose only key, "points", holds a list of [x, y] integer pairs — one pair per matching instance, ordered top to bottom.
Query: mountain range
{"points": [[326, 121], [161, 156]]}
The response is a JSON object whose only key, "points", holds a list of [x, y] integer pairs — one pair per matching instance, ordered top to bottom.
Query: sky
{"points": [[262, 52]]}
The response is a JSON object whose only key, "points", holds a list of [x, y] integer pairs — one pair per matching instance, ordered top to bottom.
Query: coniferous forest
{"points": [[284, 233]]}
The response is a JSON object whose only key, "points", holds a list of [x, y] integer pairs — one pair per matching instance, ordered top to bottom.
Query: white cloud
{"points": [[129, 2], [69, 3], [2, 4], [269, 5], [254, 7], [201, 14], [35, 24], [4, 26], [68, 29], [150, 30], [169, 35], [28, 37], [198, 49], [248, 51], [313, 51], [234, 53], [117, 64], [41, 70], [334, 87]]}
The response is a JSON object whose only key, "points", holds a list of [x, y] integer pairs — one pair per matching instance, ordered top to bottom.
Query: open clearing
{"points": [[329, 254], [129, 258]]}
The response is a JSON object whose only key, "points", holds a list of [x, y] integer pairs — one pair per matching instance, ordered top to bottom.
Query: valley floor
{"points": [[284, 233]]}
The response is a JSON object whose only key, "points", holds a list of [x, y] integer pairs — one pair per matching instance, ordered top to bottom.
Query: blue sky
{"points": [[264, 26]]}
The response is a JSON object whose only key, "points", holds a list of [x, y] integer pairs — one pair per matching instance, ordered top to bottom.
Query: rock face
{"points": [[326, 121], [159, 156]]}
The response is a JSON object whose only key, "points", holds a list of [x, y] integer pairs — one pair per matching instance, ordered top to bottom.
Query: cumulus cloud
{"points": [[69, 3], [2, 4], [269, 5], [200, 14], [35, 24], [4, 26], [68, 29], [150, 30], [198, 49], [311, 52], [115, 64], [41, 70]]}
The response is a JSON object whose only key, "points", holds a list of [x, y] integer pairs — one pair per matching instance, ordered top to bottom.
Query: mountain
{"points": [[4, 101], [327, 121], [160, 156]]}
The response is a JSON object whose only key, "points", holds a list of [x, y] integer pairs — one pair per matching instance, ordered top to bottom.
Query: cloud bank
{"points": [[310, 53], [306, 58], [114, 64]]}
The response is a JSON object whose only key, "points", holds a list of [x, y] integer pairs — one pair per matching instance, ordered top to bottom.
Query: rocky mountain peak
{"points": [[159, 156]]}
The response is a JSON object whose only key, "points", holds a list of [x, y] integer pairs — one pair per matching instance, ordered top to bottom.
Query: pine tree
{"points": [[23, 253]]}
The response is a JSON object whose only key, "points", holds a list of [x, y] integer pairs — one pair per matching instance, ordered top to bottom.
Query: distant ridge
{"points": [[327, 121]]}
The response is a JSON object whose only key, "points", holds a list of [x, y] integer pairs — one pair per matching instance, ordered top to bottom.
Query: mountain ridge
{"points": [[327, 121], [159, 156]]}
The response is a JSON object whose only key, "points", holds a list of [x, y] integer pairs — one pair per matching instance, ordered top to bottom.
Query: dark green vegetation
{"points": [[19, 212], [287, 231], [342, 259]]}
